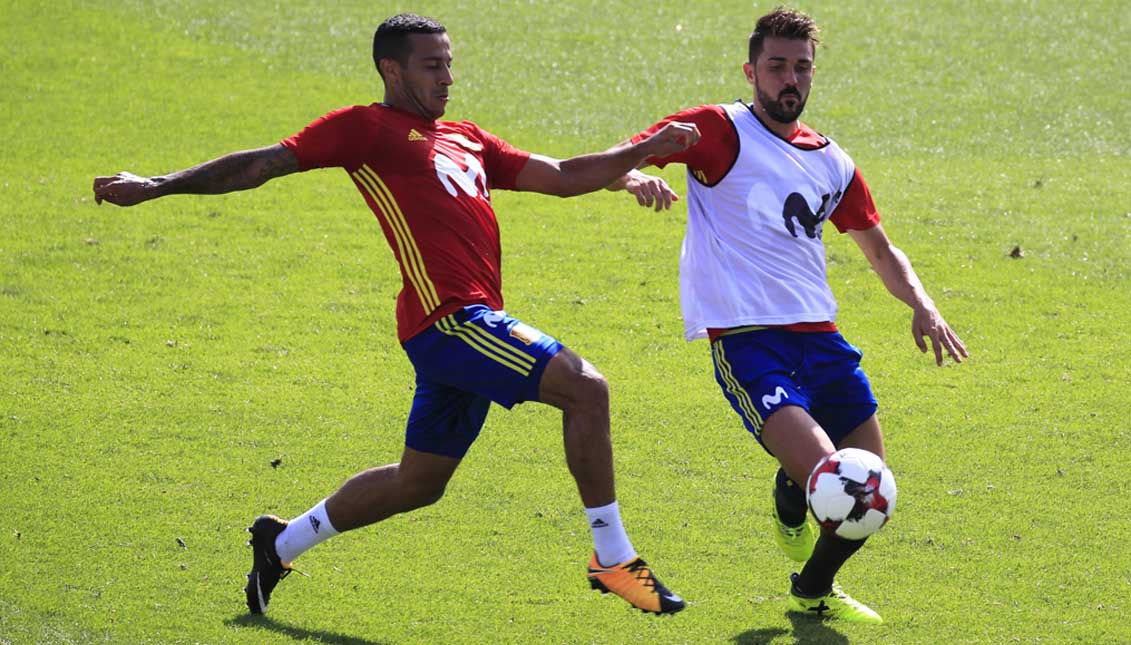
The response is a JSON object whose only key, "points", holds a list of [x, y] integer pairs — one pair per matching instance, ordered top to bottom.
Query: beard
{"points": [[775, 108]]}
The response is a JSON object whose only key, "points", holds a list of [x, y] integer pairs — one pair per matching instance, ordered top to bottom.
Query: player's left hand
{"points": [[650, 191], [928, 322]]}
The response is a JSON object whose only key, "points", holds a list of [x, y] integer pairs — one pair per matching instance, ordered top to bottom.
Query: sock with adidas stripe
{"points": [[305, 532], [609, 539]]}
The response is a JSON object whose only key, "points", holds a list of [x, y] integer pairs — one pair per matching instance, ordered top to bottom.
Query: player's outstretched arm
{"points": [[236, 171], [586, 173], [900, 279]]}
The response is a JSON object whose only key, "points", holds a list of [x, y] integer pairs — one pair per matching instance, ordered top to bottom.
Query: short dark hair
{"points": [[782, 23], [391, 38]]}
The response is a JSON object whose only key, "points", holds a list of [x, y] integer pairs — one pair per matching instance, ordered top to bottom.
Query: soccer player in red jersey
{"points": [[429, 183]]}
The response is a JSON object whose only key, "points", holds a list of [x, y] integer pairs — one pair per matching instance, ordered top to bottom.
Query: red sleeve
{"points": [[330, 141], [712, 157], [501, 160], [856, 210]]}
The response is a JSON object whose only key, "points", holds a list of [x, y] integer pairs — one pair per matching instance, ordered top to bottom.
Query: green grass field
{"points": [[155, 360]]}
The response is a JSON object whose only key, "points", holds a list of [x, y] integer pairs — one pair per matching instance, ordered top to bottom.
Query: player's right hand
{"points": [[674, 137], [123, 189]]}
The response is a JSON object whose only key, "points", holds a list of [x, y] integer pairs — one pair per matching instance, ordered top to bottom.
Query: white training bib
{"points": [[753, 253]]}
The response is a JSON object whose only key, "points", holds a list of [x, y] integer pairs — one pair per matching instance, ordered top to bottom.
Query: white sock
{"points": [[305, 532], [609, 539]]}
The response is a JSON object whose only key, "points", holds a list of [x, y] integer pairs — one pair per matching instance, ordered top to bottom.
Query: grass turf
{"points": [[156, 360]]}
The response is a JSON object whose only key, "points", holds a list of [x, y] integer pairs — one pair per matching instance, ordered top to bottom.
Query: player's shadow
{"points": [[806, 629], [299, 633], [758, 636]]}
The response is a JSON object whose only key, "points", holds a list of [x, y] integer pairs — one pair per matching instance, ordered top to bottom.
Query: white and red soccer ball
{"points": [[852, 492]]}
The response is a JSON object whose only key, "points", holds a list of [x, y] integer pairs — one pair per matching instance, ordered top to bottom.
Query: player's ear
{"points": [[390, 69], [748, 70]]}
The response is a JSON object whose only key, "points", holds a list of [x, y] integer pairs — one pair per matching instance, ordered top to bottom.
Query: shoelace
{"points": [[287, 571], [643, 573], [845, 598]]}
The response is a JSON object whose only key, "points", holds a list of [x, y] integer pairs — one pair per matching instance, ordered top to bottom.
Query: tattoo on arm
{"points": [[241, 170]]}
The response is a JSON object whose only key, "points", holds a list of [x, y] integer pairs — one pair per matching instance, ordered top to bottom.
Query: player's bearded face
{"points": [[782, 77], [788, 105]]}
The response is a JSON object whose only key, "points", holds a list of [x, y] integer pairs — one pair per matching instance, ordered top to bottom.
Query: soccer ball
{"points": [[852, 492]]}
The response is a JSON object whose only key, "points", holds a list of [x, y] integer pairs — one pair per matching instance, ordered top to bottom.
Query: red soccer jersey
{"points": [[428, 183]]}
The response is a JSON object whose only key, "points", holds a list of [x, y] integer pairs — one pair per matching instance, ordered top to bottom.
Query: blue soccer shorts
{"points": [[465, 361], [764, 369]]}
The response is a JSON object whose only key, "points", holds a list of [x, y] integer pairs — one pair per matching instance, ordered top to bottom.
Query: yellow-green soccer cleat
{"points": [[795, 542], [835, 604]]}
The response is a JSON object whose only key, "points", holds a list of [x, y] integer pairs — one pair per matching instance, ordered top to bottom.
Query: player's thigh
{"points": [[486, 352], [464, 362], [755, 372], [840, 393], [444, 420], [866, 436], [797, 441], [426, 470]]}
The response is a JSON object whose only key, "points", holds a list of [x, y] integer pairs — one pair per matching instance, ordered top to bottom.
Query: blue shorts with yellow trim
{"points": [[465, 361], [764, 369]]}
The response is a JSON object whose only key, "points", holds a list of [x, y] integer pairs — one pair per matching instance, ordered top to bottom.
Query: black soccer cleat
{"points": [[266, 569]]}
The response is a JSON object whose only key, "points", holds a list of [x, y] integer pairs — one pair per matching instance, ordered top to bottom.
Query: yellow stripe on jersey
{"points": [[406, 245], [488, 345], [742, 396]]}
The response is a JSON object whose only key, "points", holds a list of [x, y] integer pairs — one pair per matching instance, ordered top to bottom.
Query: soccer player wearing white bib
{"points": [[761, 185]]}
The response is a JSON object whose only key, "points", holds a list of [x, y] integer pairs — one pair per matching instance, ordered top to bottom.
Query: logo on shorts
{"points": [[493, 318], [525, 333], [775, 398]]}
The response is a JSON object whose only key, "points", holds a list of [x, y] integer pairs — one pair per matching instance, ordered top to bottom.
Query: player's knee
{"points": [[590, 390], [586, 391], [420, 494]]}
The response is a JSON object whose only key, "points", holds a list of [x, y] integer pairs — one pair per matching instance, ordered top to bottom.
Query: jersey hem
{"points": [[701, 330]]}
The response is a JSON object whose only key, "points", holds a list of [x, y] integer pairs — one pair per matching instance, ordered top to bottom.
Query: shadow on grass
{"points": [[806, 629], [299, 633], [758, 636]]}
